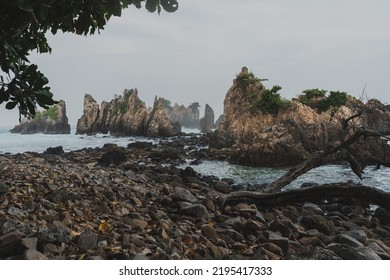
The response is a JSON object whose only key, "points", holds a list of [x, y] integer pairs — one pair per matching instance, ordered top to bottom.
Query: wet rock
{"points": [[141, 145], [59, 150], [115, 157], [188, 172], [223, 187], [181, 194], [313, 207], [195, 210], [382, 215], [318, 222], [136, 223], [236, 223], [255, 225], [277, 226], [209, 232], [359, 234], [54, 235], [234, 235], [278, 240], [310, 240], [348, 240], [87, 241], [30, 243], [10, 245], [273, 248], [378, 249], [317, 253], [361, 253], [33, 255]]}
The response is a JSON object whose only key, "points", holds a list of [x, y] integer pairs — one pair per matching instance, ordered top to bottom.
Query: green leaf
{"points": [[25, 5], [151, 5], [169, 5], [115, 8], [44, 98], [11, 105], [31, 106]]}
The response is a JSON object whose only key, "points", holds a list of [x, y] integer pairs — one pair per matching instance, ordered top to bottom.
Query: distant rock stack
{"points": [[125, 115], [186, 116], [50, 121], [206, 124]]}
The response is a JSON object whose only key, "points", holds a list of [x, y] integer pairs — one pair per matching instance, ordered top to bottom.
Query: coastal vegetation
{"points": [[24, 26], [320, 99], [270, 101], [120, 102], [194, 107], [50, 113]]}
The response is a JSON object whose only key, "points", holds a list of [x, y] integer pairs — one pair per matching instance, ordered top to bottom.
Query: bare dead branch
{"points": [[269, 200]]}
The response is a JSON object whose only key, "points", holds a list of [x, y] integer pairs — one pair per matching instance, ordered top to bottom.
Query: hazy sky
{"points": [[195, 53]]}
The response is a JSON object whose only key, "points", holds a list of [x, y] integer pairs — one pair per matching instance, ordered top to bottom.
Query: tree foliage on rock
{"points": [[23, 27], [318, 99]]}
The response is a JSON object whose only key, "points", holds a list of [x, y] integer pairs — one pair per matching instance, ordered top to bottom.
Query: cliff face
{"points": [[124, 116], [50, 121], [159, 123], [293, 133]]}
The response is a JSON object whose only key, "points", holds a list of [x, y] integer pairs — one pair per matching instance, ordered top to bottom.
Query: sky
{"points": [[194, 54]]}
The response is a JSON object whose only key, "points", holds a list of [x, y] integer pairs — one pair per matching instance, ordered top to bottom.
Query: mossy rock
{"points": [[319, 223]]}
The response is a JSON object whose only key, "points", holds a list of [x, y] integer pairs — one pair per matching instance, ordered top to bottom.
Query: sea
{"points": [[16, 143]]}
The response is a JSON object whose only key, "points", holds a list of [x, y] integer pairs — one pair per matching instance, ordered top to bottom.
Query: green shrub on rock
{"points": [[318, 99], [270, 101]]}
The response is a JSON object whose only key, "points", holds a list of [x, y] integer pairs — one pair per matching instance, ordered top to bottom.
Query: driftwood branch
{"points": [[338, 153], [269, 200]]}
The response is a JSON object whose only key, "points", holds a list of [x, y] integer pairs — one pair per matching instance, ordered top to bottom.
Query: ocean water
{"points": [[17, 143], [379, 178]]}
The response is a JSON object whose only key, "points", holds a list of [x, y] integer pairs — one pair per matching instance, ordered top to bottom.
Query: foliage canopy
{"points": [[23, 28], [320, 100], [271, 102]]}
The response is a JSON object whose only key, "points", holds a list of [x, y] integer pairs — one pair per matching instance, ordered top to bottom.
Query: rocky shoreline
{"points": [[135, 203]]}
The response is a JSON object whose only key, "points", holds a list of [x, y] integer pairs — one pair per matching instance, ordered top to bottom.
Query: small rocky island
{"points": [[50, 121], [263, 129]]}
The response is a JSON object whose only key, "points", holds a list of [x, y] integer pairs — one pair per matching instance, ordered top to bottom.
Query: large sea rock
{"points": [[125, 115], [50, 121], [206, 124], [294, 133]]}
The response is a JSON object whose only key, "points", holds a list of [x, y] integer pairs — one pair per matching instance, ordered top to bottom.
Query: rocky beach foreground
{"points": [[136, 203]]}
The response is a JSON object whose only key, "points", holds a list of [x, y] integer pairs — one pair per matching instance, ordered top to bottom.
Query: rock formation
{"points": [[125, 115], [186, 116], [50, 121], [159, 124], [206, 124], [292, 134]]}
